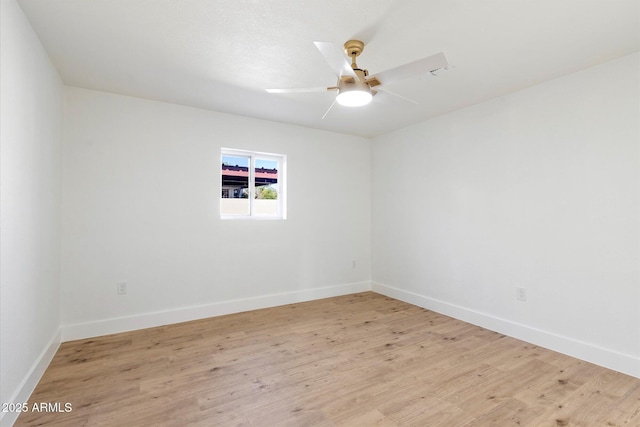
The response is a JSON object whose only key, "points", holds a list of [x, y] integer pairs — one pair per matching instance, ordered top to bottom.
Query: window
{"points": [[252, 185]]}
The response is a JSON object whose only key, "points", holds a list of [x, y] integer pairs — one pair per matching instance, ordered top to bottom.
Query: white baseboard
{"points": [[148, 320], [607, 358], [32, 378]]}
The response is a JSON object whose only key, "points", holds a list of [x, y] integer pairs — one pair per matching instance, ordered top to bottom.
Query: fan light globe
{"points": [[353, 93], [354, 98]]}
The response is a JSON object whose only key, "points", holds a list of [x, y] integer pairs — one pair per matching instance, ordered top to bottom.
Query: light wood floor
{"points": [[357, 360]]}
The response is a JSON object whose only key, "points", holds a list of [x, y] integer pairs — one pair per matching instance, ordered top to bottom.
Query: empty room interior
{"points": [[382, 212]]}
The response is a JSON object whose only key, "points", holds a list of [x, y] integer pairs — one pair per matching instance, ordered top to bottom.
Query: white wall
{"points": [[30, 140], [538, 189], [141, 194]]}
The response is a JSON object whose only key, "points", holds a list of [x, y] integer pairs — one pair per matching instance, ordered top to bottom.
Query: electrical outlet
{"points": [[353, 264], [122, 288], [521, 294]]}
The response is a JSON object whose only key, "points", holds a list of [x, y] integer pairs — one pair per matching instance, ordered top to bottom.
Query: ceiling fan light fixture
{"points": [[355, 87], [356, 94], [354, 98]]}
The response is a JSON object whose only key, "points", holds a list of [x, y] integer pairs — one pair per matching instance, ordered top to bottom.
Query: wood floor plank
{"points": [[362, 359]]}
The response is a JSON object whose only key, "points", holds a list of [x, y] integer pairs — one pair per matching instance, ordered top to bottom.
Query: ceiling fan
{"points": [[355, 86]]}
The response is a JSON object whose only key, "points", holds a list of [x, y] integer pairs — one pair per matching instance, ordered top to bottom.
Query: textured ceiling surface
{"points": [[222, 54]]}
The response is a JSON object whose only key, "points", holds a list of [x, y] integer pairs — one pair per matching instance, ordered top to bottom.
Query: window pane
{"points": [[235, 185], [266, 187]]}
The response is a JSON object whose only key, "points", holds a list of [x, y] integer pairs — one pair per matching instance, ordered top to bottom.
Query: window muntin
{"points": [[252, 185]]}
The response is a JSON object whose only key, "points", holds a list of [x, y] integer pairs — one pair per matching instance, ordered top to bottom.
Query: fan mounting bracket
{"points": [[353, 48]]}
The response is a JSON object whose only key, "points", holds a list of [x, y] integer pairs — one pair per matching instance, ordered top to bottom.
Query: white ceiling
{"points": [[222, 54]]}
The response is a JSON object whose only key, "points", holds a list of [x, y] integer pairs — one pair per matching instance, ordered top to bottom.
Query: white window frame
{"points": [[282, 183]]}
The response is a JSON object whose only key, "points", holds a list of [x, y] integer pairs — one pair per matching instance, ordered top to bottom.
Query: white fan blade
{"points": [[334, 55], [412, 69], [300, 90], [395, 94], [330, 107]]}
